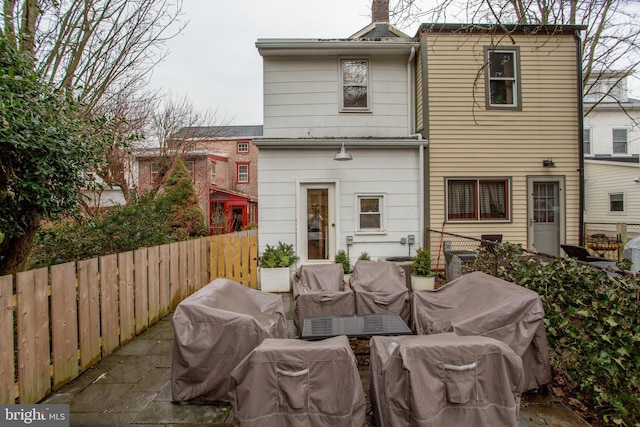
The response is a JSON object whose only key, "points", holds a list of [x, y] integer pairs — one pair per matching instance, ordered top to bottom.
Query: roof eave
{"points": [[314, 47]]}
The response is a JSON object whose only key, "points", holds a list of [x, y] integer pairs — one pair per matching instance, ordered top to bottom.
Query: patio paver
{"points": [[132, 388]]}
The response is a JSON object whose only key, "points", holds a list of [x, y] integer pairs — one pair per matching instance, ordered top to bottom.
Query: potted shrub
{"points": [[364, 256], [342, 258], [275, 267], [422, 277]]}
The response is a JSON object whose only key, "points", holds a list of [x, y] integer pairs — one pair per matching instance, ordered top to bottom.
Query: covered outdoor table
{"points": [[480, 304], [214, 329], [444, 380], [298, 383]]}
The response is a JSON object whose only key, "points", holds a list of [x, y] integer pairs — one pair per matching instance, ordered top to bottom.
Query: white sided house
{"points": [[322, 95], [462, 125], [611, 126], [612, 189]]}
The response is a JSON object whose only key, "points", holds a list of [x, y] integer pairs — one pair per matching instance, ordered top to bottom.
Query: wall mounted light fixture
{"points": [[342, 155], [548, 163]]}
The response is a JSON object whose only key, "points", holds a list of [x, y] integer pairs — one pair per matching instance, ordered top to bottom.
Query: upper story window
{"points": [[503, 78], [355, 84], [586, 141], [620, 141], [243, 147], [155, 168], [213, 173], [242, 173], [478, 200], [616, 202], [370, 213]]}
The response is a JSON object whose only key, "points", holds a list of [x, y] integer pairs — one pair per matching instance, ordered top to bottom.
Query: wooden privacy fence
{"points": [[58, 321]]}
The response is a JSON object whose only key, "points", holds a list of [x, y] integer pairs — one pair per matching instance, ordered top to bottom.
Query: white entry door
{"points": [[546, 214], [317, 221]]}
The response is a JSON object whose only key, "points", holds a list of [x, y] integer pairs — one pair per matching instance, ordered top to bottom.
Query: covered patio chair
{"points": [[380, 287], [320, 290], [480, 304], [214, 329], [444, 380], [298, 383]]}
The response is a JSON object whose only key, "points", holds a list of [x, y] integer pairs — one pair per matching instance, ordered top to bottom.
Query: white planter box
{"points": [[275, 279], [423, 283]]}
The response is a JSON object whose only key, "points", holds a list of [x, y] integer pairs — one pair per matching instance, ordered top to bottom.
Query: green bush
{"points": [[149, 220], [279, 256], [364, 256], [342, 258], [421, 265], [591, 319]]}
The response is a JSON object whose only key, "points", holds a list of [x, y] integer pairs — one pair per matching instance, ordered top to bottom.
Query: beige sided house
{"points": [[502, 116]]}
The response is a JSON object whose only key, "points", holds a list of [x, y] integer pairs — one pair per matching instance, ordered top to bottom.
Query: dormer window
{"points": [[355, 84]]}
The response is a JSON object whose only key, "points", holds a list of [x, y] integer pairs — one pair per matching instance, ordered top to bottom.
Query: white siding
{"points": [[302, 99], [602, 122], [392, 172], [603, 178]]}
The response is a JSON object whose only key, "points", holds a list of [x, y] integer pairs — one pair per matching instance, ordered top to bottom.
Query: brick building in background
{"points": [[223, 163]]}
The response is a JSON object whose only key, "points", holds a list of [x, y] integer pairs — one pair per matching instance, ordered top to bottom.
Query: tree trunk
{"points": [[14, 250]]}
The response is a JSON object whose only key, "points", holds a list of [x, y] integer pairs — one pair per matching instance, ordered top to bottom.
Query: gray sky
{"points": [[215, 63]]}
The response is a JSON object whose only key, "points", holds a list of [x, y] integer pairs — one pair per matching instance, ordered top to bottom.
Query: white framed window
{"points": [[503, 78], [355, 84], [620, 139], [586, 141], [243, 147], [155, 169], [213, 172], [242, 173], [478, 199], [616, 203], [370, 215]]}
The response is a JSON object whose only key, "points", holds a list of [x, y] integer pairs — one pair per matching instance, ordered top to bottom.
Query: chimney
{"points": [[380, 11]]}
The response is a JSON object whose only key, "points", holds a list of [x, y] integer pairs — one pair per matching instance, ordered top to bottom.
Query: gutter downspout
{"points": [[410, 122], [580, 139]]}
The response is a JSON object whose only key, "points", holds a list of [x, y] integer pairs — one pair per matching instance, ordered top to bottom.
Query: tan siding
{"points": [[466, 140]]}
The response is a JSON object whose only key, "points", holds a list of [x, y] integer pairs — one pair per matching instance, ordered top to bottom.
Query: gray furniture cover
{"points": [[380, 287], [320, 290], [481, 304], [214, 329], [444, 380], [298, 383]]}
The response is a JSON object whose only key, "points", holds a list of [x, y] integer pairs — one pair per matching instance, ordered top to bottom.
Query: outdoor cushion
{"points": [[380, 287], [320, 290], [481, 304], [214, 329], [444, 380], [298, 383]]}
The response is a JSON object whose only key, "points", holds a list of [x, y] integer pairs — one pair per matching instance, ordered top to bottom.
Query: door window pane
{"points": [[543, 203], [317, 223]]}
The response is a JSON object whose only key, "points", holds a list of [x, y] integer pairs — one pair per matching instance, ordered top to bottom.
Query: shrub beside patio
{"points": [[593, 330]]}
